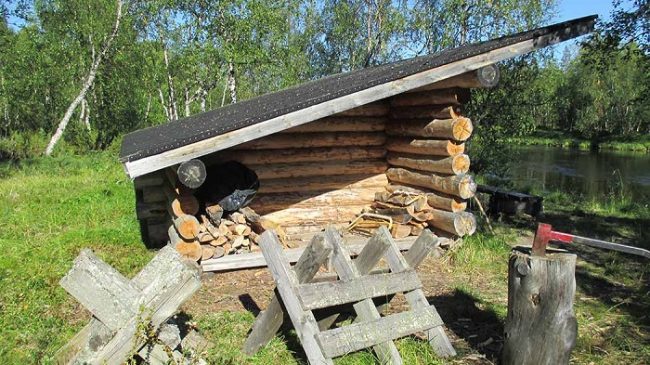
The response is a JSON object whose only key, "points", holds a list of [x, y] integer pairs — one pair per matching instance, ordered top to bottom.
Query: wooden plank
{"points": [[337, 105], [256, 259], [175, 282], [369, 286], [101, 289], [417, 300], [365, 309], [270, 320], [303, 321], [346, 339]]}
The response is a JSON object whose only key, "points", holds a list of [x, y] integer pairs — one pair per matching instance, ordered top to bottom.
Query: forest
{"points": [[87, 72]]}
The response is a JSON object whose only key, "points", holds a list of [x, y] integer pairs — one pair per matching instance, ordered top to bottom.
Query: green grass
{"points": [[52, 208]]}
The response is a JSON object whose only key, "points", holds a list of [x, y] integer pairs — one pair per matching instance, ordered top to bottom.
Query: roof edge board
{"points": [[171, 157]]}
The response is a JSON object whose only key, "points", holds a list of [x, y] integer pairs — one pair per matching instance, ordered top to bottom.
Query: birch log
{"points": [[458, 129], [425, 146], [456, 165], [462, 186]]}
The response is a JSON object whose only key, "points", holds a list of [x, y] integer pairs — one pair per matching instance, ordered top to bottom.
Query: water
{"points": [[595, 175]]}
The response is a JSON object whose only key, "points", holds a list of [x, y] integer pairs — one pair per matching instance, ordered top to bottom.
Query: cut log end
{"points": [[462, 129], [460, 164], [189, 250]]}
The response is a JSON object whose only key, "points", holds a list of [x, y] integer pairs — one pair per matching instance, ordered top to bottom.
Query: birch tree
{"points": [[88, 82]]}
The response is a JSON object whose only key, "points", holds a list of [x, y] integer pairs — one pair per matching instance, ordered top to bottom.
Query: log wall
{"points": [[328, 171]]}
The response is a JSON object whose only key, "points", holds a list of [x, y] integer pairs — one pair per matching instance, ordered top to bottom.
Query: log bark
{"points": [[484, 77], [90, 79], [438, 97], [369, 110], [427, 111], [341, 124], [458, 129], [310, 140], [430, 147], [300, 155], [456, 165], [306, 169], [318, 183], [462, 186], [342, 197], [435, 200], [179, 205], [459, 224], [541, 327]]}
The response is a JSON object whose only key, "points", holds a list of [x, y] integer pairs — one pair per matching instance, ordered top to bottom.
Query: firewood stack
{"points": [[428, 182], [213, 234]]}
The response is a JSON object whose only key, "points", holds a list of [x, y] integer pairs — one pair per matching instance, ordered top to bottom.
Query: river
{"points": [[594, 175]]}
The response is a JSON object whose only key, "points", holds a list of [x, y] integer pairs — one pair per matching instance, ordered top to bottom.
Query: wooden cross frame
{"points": [[358, 284], [119, 305]]}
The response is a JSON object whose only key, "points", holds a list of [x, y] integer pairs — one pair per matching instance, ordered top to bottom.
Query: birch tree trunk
{"points": [[232, 82], [87, 83], [173, 108]]}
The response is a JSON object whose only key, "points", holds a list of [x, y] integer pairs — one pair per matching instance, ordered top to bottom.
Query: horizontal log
{"points": [[484, 77], [438, 97], [368, 110], [425, 111], [341, 124], [458, 129], [310, 140], [432, 147], [291, 155], [456, 165], [306, 169], [191, 173], [152, 179], [318, 183], [462, 186], [153, 194], [279, 201], [315, 215], [460, 224], [187, 226], [189, 249]]}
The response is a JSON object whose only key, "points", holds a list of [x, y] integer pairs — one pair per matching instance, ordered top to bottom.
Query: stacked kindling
{"points": [[426, 135]]}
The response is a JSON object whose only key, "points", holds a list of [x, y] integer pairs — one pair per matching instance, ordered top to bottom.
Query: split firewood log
{"points": [[215, 212], [187, 226], [400, 230], [219, 241], [190, 250], [207, 251]]}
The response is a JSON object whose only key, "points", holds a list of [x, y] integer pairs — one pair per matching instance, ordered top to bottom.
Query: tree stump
{"points": [[541, 327]]}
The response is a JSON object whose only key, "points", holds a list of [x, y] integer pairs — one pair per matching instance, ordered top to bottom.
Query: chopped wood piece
{"points": [[457, 128], [431, 147], [342, 197], [435, 200], [215, 212], [238, 218], [187, 226], [224, 229], [400, 230], [205, 237], [219, 241], [238, 241], [189, 250], [207, 251], [219, 251]]}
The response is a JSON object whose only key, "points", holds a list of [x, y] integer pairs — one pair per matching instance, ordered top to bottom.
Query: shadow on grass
{"points": [[481, 328]]}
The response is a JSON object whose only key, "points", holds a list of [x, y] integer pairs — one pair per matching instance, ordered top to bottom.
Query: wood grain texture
{"points": [[455, 128], [312, 140], [432, 147], [290, 155], [455, 165], [307, 169], [319, 183], [462, 186], [541, 327]]}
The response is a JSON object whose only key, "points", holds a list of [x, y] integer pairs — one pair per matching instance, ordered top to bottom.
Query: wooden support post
{"points": [[541, 327]]}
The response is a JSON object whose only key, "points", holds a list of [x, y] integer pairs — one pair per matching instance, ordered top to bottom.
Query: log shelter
{"points": [[327, 151]]}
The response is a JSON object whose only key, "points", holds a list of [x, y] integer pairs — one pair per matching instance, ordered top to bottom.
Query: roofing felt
{"points": [[155, 140]]}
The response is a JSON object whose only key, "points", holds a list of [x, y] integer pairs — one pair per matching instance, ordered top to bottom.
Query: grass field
{"points": [[52, 208]]}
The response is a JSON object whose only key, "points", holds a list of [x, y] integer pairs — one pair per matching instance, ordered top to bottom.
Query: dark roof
{"points": [[154, 140]]}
